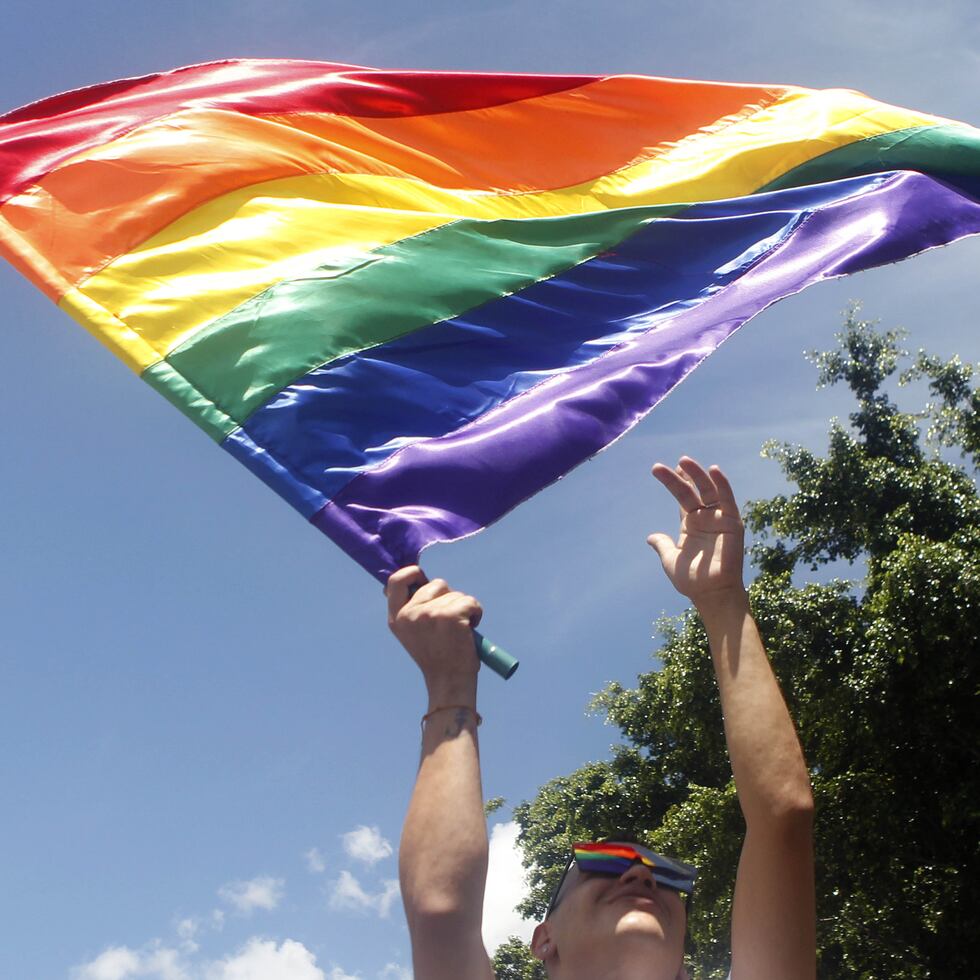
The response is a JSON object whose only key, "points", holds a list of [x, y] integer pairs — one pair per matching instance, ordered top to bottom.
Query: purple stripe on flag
{"points": [[448, 487]]}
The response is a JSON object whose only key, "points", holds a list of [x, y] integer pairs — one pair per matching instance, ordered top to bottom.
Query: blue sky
{"points": [[205, 728]]}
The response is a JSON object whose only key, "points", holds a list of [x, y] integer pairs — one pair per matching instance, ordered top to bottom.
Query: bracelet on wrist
{"points": [[449, 707]]}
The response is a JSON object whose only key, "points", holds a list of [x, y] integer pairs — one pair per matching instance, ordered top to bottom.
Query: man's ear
{"points": [[542, 945]]}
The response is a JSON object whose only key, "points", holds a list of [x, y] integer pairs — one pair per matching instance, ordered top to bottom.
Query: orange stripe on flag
{"points": [[105, 202]]}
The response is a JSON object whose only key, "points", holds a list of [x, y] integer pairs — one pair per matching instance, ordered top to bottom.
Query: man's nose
{"points": [[639, 873]]}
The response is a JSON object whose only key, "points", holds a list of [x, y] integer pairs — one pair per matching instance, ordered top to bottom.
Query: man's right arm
{"points": [[443, 853]]}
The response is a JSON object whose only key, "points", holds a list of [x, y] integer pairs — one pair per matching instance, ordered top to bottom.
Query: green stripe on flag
{"points": [[946, 152], [237, 363]]}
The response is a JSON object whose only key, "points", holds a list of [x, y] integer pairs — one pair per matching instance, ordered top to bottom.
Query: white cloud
{"points": [[366, 844], [315, 861], [506, 887], [259, 893], [348, 893], [386, 898], [187, 931], [258, 959], [263, 960], [156, 962], [116, 963], [164, 963], [393, 971], [337, 974]]}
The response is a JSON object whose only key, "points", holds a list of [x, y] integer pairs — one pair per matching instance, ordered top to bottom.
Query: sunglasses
{"points": [[615, 858]]}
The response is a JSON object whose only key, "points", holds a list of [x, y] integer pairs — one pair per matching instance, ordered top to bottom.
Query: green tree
{"points": [[881, 675], [513, 961]]}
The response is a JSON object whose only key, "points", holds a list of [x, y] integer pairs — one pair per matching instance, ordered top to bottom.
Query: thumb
{"points": [[663, 545], [401, 587]]}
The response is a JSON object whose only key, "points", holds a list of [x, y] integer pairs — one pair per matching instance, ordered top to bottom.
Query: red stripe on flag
{"points": [[36, 138]]}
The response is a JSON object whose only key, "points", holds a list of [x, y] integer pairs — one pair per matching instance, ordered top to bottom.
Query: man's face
{"points": [[601, 920]]}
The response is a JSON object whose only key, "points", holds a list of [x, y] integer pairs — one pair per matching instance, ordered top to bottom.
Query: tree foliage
{"points": [[881, 675], [514, 961]]}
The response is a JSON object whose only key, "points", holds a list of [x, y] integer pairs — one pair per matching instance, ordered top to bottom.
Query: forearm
{"points": [[771, 777], [443, 854], [773, 916]]}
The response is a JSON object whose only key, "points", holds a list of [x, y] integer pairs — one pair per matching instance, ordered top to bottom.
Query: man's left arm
{"points": [[774, 914]]}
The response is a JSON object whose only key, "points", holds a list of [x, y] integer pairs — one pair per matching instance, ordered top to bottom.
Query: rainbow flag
{"points": [[409, 300]]}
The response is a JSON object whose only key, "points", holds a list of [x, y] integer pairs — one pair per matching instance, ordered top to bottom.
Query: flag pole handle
{"points": [[496, 658]]}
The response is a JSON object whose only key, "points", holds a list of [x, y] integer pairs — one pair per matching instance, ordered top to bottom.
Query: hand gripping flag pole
{"points": [[496, 658]]}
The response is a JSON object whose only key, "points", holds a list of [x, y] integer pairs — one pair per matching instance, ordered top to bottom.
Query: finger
{"points": [[701, 479], [690, 483], [681, 489], [725, 493], [663, 545], [401, 585], [429, 591], [458, 604], [474, 611]]}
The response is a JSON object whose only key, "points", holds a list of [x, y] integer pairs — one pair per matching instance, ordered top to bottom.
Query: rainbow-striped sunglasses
{"points": [[614, 858]]}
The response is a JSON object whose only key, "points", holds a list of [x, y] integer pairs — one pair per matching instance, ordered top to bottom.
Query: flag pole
{"points": [[496, 658]]}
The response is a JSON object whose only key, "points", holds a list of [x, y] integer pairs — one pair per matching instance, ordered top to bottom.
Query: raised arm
{"points": [[443, 854], [774, 917]]}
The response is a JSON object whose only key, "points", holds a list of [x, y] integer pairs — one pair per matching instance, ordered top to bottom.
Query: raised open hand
{"points": [[707, 557]]}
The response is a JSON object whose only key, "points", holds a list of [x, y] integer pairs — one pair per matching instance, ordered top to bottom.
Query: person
{"points": [[628, 923]]}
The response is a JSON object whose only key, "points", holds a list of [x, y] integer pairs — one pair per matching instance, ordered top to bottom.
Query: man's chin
{"points": [[650, 904], [642, 919]]}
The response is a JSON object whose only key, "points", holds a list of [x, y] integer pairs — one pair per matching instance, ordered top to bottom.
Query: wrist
{"points": [[722, 604], [451, 690], [464, 716]]}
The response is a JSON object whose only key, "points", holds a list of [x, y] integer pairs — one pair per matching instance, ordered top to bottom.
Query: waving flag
{"points": [[409, 300]]}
